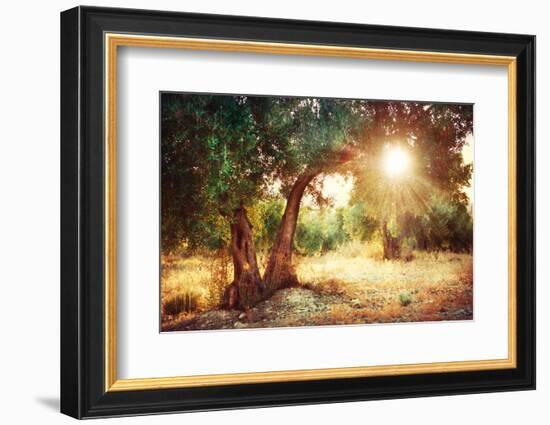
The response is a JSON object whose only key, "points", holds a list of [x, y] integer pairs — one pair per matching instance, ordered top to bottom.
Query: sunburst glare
{"points": [[396, 162]]}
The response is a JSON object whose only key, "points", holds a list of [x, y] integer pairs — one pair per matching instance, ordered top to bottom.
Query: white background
{"points": [[29, 176], [197, 353]]}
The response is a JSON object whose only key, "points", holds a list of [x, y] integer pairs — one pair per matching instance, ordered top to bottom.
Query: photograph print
{"points": [[309, 211]]}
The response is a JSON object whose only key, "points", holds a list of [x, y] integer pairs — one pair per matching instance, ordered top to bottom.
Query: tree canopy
{"points": [[221, 151]]}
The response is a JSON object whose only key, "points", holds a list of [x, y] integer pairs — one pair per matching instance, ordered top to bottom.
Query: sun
{"points": [[396, 161]]}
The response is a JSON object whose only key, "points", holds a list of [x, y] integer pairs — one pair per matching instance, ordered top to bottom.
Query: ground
{"points": [[347, 289]]}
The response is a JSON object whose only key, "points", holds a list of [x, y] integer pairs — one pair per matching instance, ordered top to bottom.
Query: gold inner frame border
{"points": [[111, 43]]}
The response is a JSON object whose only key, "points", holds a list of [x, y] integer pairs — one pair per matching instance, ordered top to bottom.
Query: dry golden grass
{"points": [[426, 267], [202, 278], [353, 285], [433, 286]]}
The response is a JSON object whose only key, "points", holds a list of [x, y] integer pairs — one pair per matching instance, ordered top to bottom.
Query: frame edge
{"points": [[70, 381], [80, 395]]}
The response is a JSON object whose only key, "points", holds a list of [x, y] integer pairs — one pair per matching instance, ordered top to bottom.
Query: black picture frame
{"points": [[83, 392]]}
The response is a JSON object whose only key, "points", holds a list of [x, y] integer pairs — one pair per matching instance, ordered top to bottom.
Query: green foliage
{"points": [[218, 152], [215, 153], [265, 217], [358, 225], [446, 225], [319, 231], [310, 232], [336, 234]]}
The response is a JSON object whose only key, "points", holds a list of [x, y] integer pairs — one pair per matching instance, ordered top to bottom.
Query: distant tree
{"points": [[433, 136], [265, 217], [358, 224], [445, 225], [320, 230], [311, 232], [335, 232]]}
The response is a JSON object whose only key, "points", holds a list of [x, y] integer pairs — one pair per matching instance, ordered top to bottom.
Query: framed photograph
{"points": [[260, 212]]}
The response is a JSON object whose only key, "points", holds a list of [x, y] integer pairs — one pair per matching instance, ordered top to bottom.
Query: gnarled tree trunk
{"points": [[392, 244], [280, 272], [247, 287]]}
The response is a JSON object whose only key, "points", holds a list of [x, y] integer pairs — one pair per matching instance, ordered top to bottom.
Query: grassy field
{"points": [[352, 285]]}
